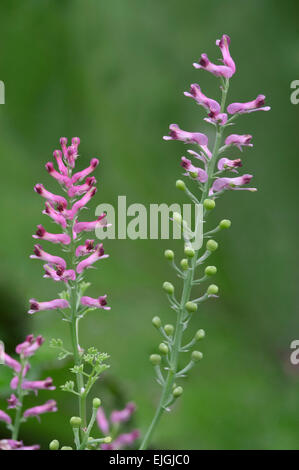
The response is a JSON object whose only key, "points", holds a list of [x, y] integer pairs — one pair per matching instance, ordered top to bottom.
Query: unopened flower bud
{"points": [[193, 174], [180, 185], [209, 204], [225, 223], [212, 245], [189, 252], [169, 254], [184, 264], [210, 270], [168, 288], [212, 289], [191, 307], [156, 322], [169, 329], [200, 334], [163, 348], [196, 356], [155, 359], [177, 392], [96, 403], [75, 422], [107, 439], [54, 445], [66, 448]]}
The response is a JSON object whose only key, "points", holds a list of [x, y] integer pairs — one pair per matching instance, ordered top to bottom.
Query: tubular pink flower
{"points": [[223, 44], [217, 70], [196, 93], [249, 107], [214, 118], [189, 137], [239, 140], [70, 153], [227, 164], [61, 166], [80, 175], [202, 175], [62, 179], [231, 183], [83, 188], [39, 189], [81, 203], [56, 216], [90, 226], [52, 237], [85, 249], [39, 253], [88, 262], [51, 273], [66, 275], [100, 302], [36, 306], [30, 345], [12, 363], [35, 385], [13, 402], [48, 407], [123, 415], [5, 417], [102, 421], [125, 439], [11, 444]]}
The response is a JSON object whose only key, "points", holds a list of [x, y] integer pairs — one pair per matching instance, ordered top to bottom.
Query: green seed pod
{"points": [[193, 174], [180, 185], [209, 204], [225, 223], [212, 245], [189, 252], [169, 254], [184, 264], [210, 270], [168, 288], [212, 289], [191, 307], [156, 322], [169, 329], [200, 334], [163, 348], [196, 356], [155, 359], [177, 392], [96, 403], [75, 422], [54, 445], [66, 448]]}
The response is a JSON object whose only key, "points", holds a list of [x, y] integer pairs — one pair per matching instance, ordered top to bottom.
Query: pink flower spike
{"points": [[223, 44], [217, 70], [196, 93], [249, 107], [189, 137], [239, 140], [227, 164], [61, 166], [80, 175], [202, 175], [231, 183], [83, 188], [39, 189], [81, 203], [55, 216], [90, 226], [52, 237], [85, 249], [39, 253], [88, 262], [100, 302], [36, 306], [30, 345], [12, 363], [46, 384], [13, 402], [48, 407], [123, 415], [5, 417], [102, 421]]}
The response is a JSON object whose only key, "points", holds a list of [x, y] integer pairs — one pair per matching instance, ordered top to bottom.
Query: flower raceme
{"points": [[110, 426]]}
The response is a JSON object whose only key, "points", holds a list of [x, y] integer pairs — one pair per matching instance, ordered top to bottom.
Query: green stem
{"points": [[188, 281]]}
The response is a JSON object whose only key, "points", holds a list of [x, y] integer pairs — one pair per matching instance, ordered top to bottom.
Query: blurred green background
{"points": [[114, 73]]}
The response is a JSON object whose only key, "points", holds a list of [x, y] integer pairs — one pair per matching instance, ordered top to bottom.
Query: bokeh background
{"points": [[114, 73]]}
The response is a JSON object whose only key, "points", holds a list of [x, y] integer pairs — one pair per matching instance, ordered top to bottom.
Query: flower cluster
{"points": [[213, 172], [20, 386]]}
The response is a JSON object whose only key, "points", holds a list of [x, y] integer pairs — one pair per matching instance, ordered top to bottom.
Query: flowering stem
{"points": [[166, 397], [19, 407]]}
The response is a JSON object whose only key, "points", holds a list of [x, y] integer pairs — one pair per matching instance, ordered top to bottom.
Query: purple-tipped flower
{"points": [[223, 44], [228, 69], [196, 93], [249, 107], [189, 137], [239, 140], [227, 164], [61, 166], [200, 174], [80, 175], [62, 179], [231, 183], [83, 188], [39, 189], [78, 205], [57, 217], [90, 226], [52, 237], [85, 249], [39, 253], [88, 262], [100, 302], [36, 306], [30, 345], [12, 363], [36, 385], [12, 401], [49, 407], [5, 417], [11, 444]]}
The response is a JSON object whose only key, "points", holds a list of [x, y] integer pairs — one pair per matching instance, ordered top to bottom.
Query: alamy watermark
{"points": [[295, 94], [2, 351]]}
